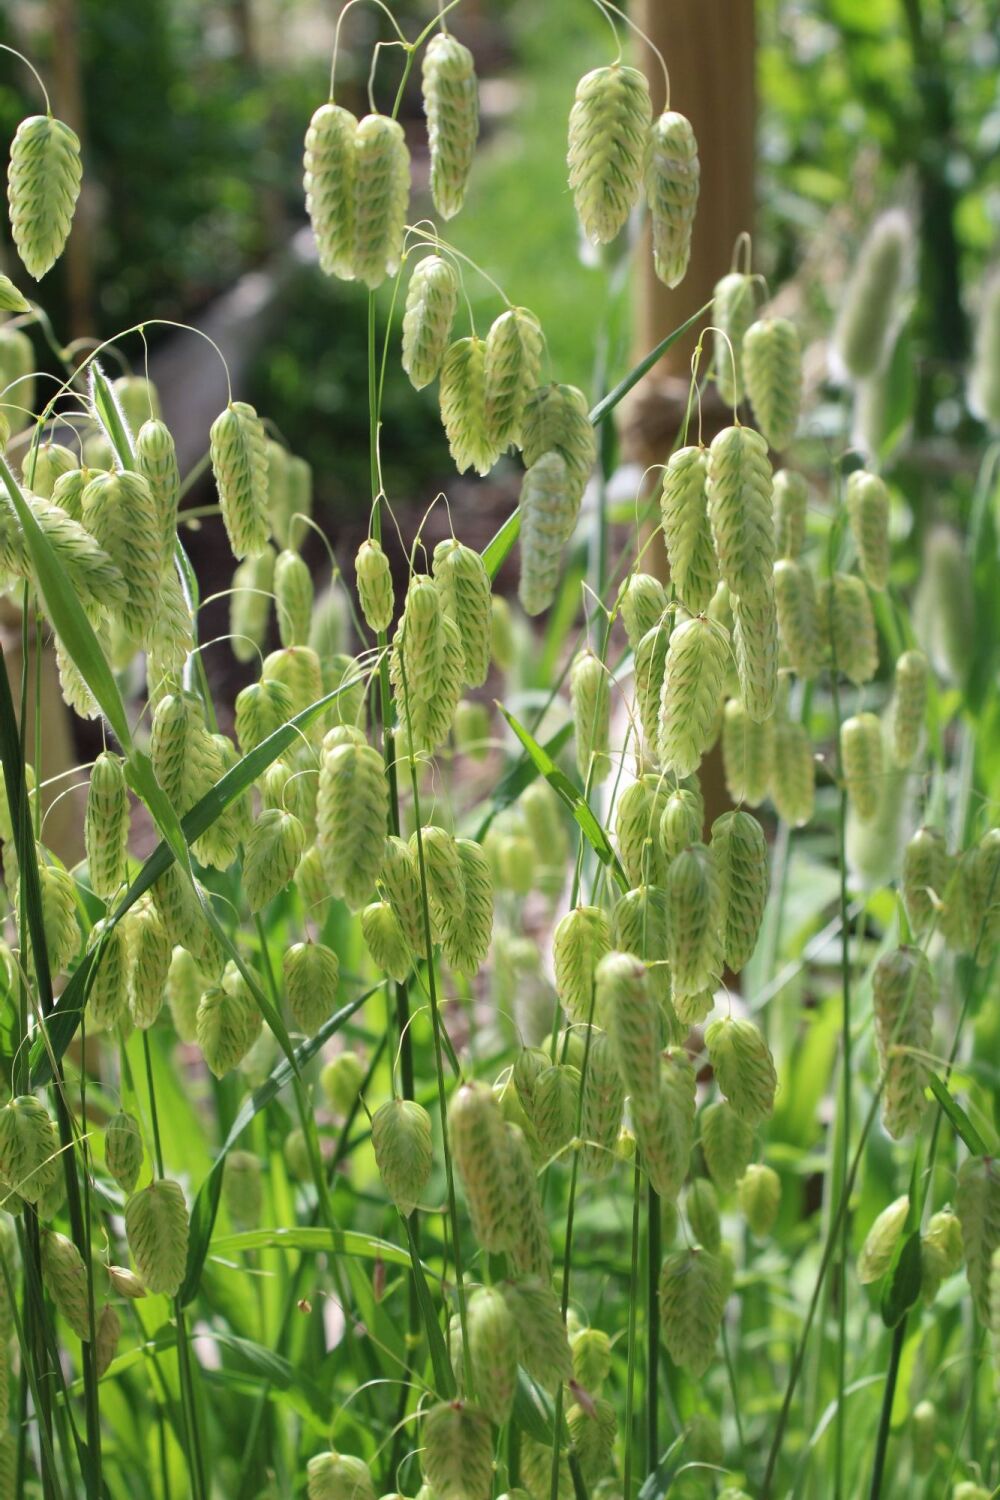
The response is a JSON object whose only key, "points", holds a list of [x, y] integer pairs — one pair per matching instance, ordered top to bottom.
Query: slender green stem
{"points": [[653, 1257], [885, 1417], [630, 1445]]}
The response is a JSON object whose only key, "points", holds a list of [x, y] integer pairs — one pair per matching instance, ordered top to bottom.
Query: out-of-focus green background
{"points": [[193, 113]]}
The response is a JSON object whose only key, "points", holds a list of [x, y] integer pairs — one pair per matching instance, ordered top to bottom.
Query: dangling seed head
{"points": [[451, 104], [608, 130], [672, 176], [43, 184], [329, 187], [381, 198], [431, 300], [871, 300], [732, 314], [512, 361], [772, 369], [463, 406], [556, 418], [239, 463], [790, 495], [867, 505], [739, 508], [549, 510], [694, 569], [464, 586], [293, 597], [642, 603], [250, 604], [798, 621], [847, 626], [693, 679], [591, 698], [909, 706], [747, 754], [861, 757], [793, 781], [351, 814], [106, 826], [273, 850], [739, 851], [926, 870], [694, 920], [580, 941], [312, 975], [903, 996], [627, 1010], [227, 1025], [744, 1068], [341, 1082], [401, 1138], [727, 1143], [29, 1148], [123, 1151], [760, 1198], [701, 1208], [156, 1226], [880, 1243], [65, 1278], [692, 1302], [458, 1451], [337, 1476]]}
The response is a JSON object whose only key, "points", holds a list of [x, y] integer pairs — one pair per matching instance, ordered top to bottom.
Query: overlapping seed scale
{"points": [[451, 104], [608, 129], [672, 179], [43, 184], [329, 187], [381, 198], [431, 300], [871, 300], [732, 315], [512, 361], [772, 370], [462, 393], [556, 418], [156, 457], [239, 462], [42, 467], [790, 495], [867, 505], [549, 508], [739, 508], [120, 512], [694, 568], [98, 578], [374, 581], [464, 585], [293, 594], [642, 603], [798, 620], [847, 626], [172, 640], [755, 644], [648, 669], [693, 680], [591, 699], [909, 706], [260, 709], [425, 723], [747, 754], [184, 756], [862, 763], [793, 780], [351, 814], [638, 815], [106, 825], [273, 849], [739, 851], [925, 874], [181, 913], [694, 915], [639, 927], [466, 932], [581, 940], [386, 941], [149, 954], [312, 975], [903, 996], [628, 1011], [227, 1025], [744, 1068], [602, 1105], [553, 1107], [665, 1134], [478, 1137], [401, 1139], [727, 1144], [29, 1148], [123, 1150], [760, 1198], [977, 1203], [157, 1227], [875, 1256], [65, 1278], [692, 1301], [493, 1349], [545, 1351], [593, 1428], [457, 1451]]}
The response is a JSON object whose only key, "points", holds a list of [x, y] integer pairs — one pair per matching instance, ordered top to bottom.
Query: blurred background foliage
{"points": [[192, 114]]}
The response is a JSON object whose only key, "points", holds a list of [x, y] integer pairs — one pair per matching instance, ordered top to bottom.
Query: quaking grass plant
{"points": [[449, 1106]]}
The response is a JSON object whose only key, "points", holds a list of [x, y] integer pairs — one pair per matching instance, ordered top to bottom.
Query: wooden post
{"points": [[708, 46]]}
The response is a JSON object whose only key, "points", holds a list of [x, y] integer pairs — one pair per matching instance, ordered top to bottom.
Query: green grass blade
{"points": [[956, 1114]]}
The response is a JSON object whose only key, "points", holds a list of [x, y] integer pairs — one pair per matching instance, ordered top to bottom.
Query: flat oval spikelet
{"points": [[451, 104], [608, 130], [672, 179], [43, 184], [329, 187], [381, 198], [871, 299], [431, 300], [732, 314], [513, 358], [772, 370], [463, 406], [557, 417], [156, 458], [239, 463], [791, 497], [867, 505], [549, 508], [739, 508], [120, 511], [694, 569], [374, 580], [464, 585], [293, 597], [642, 603], [250, 604], [798, 621], [847, 626], [648, 669], [693, 679], [591, 699], [908, 707], [747, 754], [861, 758], [793, 780], [351, 814], [106, 825], [638, 828], [273, 849], [739, 850], [926, 871], [694, 920], [466, 931], [386, 941], [580, 941], [149, 964], [312, 974], [903, 996], [107, 998], [628, 1011], [227, 1025], [744, 1068], [601, 1112], [665, 1135], [478, 1136], [401, 1138], [727, 1144], [29, 1148], [123, 1150], [760, 1198], [977, 1203], [701, 1209], [156, 1226], [875, 1256], [65, 1278], [692, 1302], [493, 1349], [545, 1351], [458, 1451], [338, 1476]]}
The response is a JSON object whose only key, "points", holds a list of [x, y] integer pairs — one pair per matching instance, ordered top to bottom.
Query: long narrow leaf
{"points": [[560, 783], [956, 1114]]}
